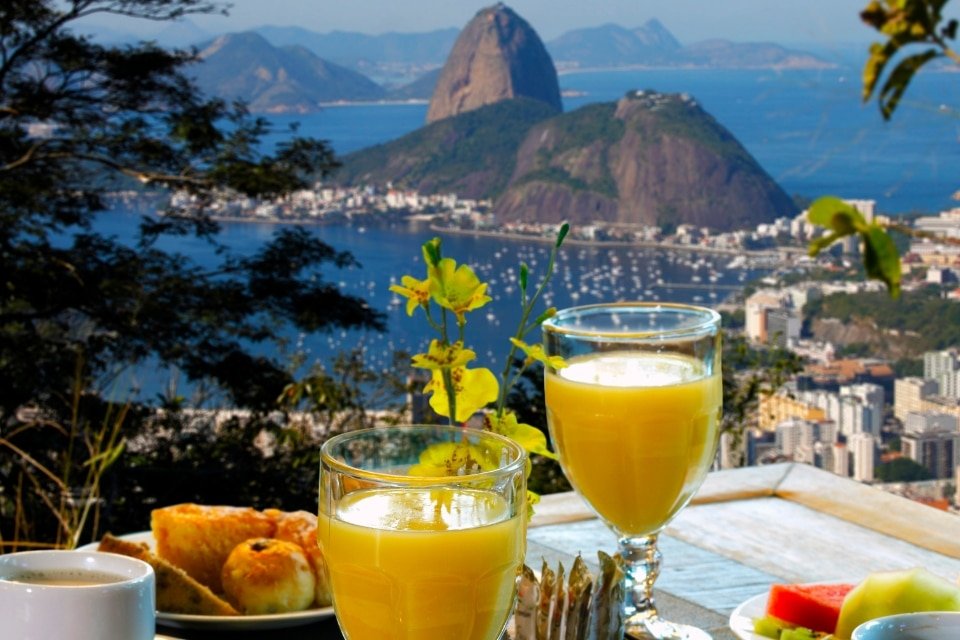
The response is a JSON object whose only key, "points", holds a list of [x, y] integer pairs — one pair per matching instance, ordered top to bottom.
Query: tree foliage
{"points": [[915, 33], [78, 120], [902, 470]]}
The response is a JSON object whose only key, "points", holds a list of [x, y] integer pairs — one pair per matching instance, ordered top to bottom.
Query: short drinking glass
{"points": [[634, 417], [412, 556]]}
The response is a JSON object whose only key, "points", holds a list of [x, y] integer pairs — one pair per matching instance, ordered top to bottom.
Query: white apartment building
{"points": [[946, 224], [944, 367], [909, 393], [871, 396], [850, 413], [787, 436], [863, 447], [841, 459]]}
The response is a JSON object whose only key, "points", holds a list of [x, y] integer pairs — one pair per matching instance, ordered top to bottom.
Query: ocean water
{"points": [[808, 129]]}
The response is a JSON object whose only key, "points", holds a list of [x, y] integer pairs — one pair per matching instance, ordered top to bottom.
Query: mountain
{"points": [[611, 45], [350, 49], [726, 54], [497, 56], [276, 80], [471, 154], [649, 158]]}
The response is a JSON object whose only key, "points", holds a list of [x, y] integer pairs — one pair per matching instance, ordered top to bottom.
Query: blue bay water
{"points": [[808, 129]]}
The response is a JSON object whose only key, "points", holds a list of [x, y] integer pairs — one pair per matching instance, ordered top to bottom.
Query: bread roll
{"points": [[300, 527], [198, 538], [266, 575]]}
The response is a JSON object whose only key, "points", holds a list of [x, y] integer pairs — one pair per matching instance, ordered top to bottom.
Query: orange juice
{"points": [[636, 433], [409, 564]]}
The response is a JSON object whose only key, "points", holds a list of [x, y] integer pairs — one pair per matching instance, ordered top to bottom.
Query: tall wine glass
{"points": [[635, 419], [411, 556]]}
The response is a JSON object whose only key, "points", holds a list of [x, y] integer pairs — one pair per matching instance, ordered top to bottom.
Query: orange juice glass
{"points": [[635, 419], [412, 556]]}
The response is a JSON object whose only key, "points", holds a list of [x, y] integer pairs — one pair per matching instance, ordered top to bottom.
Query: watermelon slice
{"points": [[814, 606]]}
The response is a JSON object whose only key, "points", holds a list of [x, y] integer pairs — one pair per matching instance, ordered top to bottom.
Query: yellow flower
{"points": [[457, 288], [417, 292], [535, 353], [441, 356], [473, 388], [529, 437], [448, 458]]}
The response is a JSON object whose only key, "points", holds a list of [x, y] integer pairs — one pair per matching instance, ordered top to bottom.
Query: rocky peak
{"points": [[497, 56]]}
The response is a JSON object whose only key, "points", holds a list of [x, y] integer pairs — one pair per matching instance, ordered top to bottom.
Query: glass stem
{"points": [[642, 565]]}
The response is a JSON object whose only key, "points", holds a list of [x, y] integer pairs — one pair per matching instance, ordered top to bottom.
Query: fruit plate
{"points": [[225, 623]]}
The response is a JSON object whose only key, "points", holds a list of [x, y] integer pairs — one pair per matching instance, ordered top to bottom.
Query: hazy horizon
{"points": [[822, 23]]}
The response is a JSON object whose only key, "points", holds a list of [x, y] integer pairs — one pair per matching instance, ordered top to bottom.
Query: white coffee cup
{"points": [[76, 595], [929, 625]]}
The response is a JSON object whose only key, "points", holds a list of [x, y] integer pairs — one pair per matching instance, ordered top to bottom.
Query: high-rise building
{"points": [[783, 326], [944, 367], [908, 394], [871, 399], [788, 436], [932, 440], [863, 447], [841, 459]]}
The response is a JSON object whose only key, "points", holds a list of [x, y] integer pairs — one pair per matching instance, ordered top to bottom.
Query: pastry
{"points": [[300, 527], [198, 538], [266, 575], [177, 592]]}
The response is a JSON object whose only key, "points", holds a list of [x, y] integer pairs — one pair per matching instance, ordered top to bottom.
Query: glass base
{"points": [[656, 628]]}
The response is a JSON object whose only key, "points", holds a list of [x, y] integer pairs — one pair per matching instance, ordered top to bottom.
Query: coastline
{"points": [[523, 237], [663, 246]]}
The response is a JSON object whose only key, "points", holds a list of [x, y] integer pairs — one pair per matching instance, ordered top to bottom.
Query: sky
{"points": [[783, 21]]}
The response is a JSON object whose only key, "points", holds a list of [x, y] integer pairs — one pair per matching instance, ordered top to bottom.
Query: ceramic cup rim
{"points": [[131, 570], [866, 630]]}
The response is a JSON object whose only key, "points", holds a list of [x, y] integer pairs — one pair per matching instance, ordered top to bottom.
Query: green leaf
{"points": [[879, 57], [899, 79], [835, 214], [564, 230], [819, 244], [431, 252], [881, 259], [524, 275]]}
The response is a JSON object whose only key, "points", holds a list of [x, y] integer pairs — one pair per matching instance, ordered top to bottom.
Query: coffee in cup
{"points": [[76, 595]]}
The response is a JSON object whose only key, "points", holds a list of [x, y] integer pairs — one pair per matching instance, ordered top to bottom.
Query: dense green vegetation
{"points": [[676, 118], [592, 126], [474, 152], [79, 308], [909, 315], [902, 470]]}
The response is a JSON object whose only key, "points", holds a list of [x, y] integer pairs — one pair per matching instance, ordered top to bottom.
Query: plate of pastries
{"points": [[225, 567]]}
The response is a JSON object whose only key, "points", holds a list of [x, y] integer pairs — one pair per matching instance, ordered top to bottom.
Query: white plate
{"points": [[741, 620], [187, 621]]}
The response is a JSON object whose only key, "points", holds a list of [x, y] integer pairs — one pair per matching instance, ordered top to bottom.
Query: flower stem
{"points": [[523, 329]]}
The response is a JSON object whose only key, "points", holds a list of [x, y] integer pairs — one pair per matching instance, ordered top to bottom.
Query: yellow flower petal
{"points": [[457, 288], [417, 292], [535, 353], [443, 356], [473, 388], [527, 436]]}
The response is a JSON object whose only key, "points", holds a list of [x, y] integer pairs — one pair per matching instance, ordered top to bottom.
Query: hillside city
{"points": [[848, 416]]}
